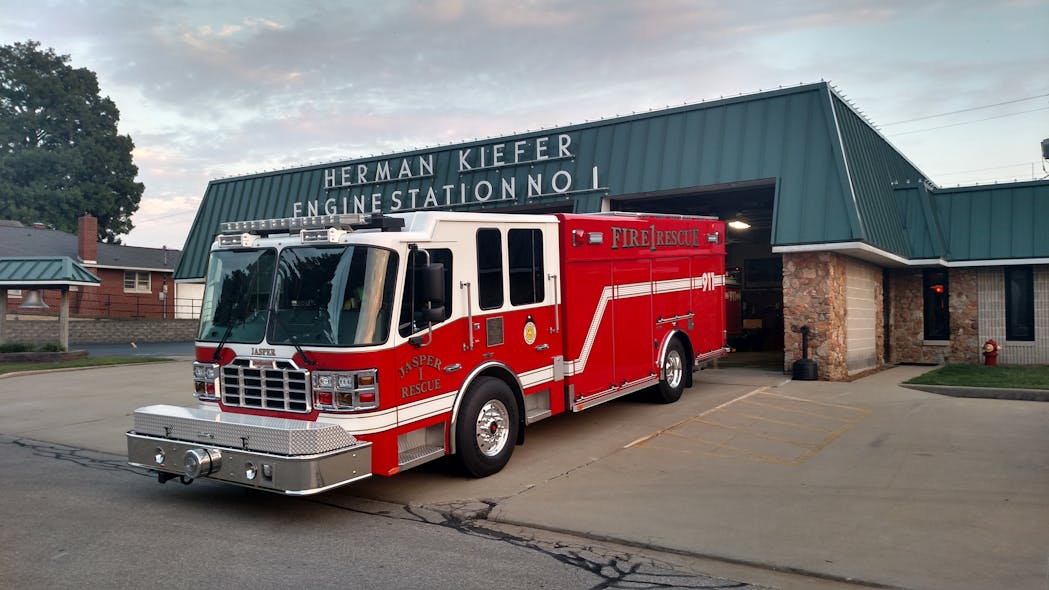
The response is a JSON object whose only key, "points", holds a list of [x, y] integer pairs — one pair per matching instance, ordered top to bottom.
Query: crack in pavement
{"points": [[616, 569]]}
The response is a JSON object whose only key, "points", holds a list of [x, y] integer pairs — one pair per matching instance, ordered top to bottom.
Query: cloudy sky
{"points": [[211, 89]]}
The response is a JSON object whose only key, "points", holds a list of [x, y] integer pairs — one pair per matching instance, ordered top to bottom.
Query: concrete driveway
{"points": [[862, 481]]}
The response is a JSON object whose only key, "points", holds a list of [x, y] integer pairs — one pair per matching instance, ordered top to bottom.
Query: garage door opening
{"points": [[754, 275]]}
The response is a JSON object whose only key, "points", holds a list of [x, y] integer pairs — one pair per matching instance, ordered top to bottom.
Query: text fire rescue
{"points": [[469, 160], [653, 238]]}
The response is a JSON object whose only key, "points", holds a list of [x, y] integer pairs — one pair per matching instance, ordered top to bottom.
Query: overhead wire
{"points": [[1045, 108], [968, 110]]}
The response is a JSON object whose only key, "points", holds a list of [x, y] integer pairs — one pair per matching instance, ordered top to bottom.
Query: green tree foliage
{"points": [[60, 153]]}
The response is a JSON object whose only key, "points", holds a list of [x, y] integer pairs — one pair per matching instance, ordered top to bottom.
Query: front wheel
{"points": [[672, 383], [486, 430]]}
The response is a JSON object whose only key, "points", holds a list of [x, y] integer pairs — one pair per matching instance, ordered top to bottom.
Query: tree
{"points": [[60, 153]]}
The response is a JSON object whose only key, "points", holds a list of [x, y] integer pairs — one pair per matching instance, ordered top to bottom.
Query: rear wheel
{"points": [[672, 382], [486, 430]]}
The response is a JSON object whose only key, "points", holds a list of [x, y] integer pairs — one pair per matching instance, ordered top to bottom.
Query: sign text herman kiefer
{"points": [[364, 191]]}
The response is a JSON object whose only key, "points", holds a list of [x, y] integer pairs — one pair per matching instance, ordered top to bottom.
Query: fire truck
{"points": [[337, 347]]}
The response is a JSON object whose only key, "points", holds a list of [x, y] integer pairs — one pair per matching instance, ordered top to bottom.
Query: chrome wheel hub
{"points": [[673, 369], [493, 428]]}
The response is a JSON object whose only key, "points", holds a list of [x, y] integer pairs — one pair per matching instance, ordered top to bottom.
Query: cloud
{"points": [[208, 90]]}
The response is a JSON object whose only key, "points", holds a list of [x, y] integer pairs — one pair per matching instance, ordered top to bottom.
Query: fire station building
{"points": [[831, 226]]}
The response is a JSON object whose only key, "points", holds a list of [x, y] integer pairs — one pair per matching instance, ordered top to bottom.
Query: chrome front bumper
{"points": [[293, 457]]}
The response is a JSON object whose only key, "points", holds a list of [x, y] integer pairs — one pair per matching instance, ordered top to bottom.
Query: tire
{"points": [[674, 366], [486, 430]]}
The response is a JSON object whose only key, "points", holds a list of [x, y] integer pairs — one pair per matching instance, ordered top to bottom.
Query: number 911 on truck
{"points": [[338, 347]]}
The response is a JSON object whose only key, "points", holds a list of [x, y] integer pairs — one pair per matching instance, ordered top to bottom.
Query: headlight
{"points": [[206, 381], [345, 391]]}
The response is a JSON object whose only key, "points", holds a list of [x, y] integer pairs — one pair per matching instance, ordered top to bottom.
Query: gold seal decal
{"points": [[529, 331]]}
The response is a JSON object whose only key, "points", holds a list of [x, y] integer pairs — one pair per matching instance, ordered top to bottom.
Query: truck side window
{"points": [[525, 252], [489, 268], [406, 324]]}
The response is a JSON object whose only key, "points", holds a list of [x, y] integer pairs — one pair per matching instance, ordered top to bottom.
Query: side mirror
{"points": [[433, 285], [433, 315]]}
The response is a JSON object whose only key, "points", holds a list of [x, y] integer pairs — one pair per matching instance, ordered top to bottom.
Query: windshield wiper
{"points": [[291, 337], [222, 342]]}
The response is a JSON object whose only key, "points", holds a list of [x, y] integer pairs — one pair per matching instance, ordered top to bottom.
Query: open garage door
{"points": [[754, 285]]}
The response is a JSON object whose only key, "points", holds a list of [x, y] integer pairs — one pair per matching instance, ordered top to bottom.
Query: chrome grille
{"points": [[282, 387]]}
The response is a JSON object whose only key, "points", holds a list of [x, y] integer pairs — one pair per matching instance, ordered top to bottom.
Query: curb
{"points": [[1027, 395]]}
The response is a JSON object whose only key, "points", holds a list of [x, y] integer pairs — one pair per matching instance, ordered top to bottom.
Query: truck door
{"points": [[632, 322]]}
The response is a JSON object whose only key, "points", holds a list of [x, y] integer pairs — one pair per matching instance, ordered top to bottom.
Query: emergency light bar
{"points": [[346, 222]]}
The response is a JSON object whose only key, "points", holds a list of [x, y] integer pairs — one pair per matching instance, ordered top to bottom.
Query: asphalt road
{"points": [[786, 484], [79, 519]]}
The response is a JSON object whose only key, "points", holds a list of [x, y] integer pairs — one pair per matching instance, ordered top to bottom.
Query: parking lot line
{"points": [[761, 426]]}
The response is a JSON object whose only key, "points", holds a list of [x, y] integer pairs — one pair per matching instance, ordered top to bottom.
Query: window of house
{"points": [[525, 253], [489, 268], [136, 280], [936, 298], [1019, 303]]}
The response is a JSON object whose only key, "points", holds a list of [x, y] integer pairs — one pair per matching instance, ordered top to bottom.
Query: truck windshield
{"points": [[236, 296], [340, 296]]}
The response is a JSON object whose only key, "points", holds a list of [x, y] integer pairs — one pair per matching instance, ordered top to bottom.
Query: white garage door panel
{"points": [[861, 317]]}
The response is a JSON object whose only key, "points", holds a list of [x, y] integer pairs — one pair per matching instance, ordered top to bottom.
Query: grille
{"points": [[282, 388]]}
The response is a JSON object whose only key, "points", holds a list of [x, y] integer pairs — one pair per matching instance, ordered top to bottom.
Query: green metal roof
{"points": [[837, 179], [994, 222], [44, 271]]}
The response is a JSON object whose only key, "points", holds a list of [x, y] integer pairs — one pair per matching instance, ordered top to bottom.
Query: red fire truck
{"points": [[337, 347]]}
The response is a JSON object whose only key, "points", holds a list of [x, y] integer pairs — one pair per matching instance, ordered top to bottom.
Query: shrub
{"points": [[23, 347]]}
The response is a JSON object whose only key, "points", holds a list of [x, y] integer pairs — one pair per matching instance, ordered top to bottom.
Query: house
{"points": [[135, 282]]}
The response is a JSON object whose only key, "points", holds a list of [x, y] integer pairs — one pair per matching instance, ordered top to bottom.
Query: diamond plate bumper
{"points": [[293, 457]]}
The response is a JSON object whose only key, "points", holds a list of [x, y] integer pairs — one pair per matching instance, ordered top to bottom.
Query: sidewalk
{"points": [[853, 481]]}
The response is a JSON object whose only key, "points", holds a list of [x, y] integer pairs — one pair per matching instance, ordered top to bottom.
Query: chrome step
{"points": [[415, 456]]}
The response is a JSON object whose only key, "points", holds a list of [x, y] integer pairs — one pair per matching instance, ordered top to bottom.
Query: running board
{"points": [[615, 392], [419, 446], [418, 456]]}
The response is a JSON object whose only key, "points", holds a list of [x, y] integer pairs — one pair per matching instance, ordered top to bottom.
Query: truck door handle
{"points": [[542, 347]]}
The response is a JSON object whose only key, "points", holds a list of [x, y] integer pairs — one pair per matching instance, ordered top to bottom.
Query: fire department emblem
{"points": [[529, 332]]}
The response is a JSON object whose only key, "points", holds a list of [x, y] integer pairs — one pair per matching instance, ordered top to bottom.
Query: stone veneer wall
{"points": [[814, 288], [908, 325], [42, 330]]}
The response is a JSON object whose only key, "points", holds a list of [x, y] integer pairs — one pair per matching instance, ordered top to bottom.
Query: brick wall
{"points": [[109, 299], [992, 317], [94, 331]]}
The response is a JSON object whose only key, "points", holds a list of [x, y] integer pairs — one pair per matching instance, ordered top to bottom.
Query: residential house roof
{"points": [[19, 240]]}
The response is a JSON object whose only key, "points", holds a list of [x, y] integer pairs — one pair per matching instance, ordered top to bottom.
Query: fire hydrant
{"points": [[990, 353]]}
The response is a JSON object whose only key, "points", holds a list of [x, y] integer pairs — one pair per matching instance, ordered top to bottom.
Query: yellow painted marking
{"points": [[803, 412], [704, 413], [789, 417], [785, 423], [762, 435]]}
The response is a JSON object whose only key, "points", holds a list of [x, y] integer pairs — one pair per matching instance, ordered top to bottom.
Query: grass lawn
{"points": [[91, 361], [1007, 376]]}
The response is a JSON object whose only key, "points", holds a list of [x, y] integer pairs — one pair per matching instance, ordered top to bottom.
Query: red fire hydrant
{"points": [[990, 353]]}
